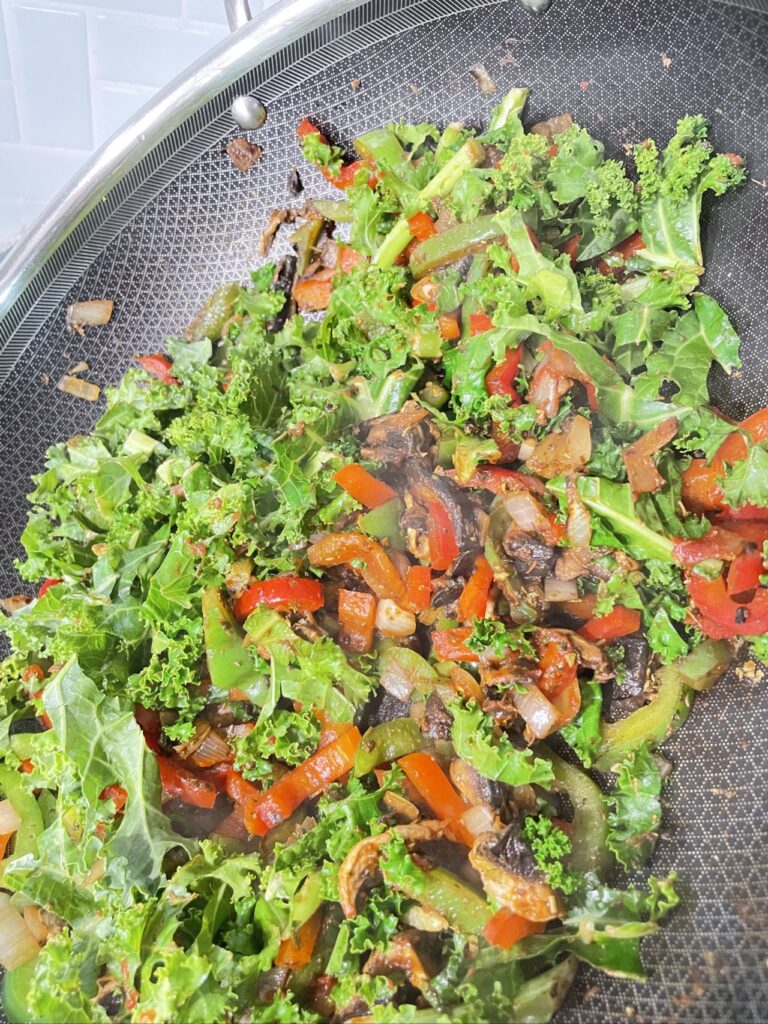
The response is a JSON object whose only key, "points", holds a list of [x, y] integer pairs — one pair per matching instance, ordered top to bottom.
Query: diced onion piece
{"points": [[93, 313], [79, 388], [527, 448], [560, 590], [14, 603], [392, 620], [540, 716], [212, 750], [9, 819], [478, 819], [425, 920], [17, 943]]}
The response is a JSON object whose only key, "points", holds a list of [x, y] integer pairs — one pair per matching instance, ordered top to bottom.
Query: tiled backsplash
{"points": [[72, 72]]}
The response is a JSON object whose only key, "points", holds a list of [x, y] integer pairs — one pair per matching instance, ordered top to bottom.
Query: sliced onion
{"points": [[94, 313], [79, 388], [562, 452], [524, 511], [578, 528], [560, 590], [392, 620], [401, 669], [539, 715], [213, 750], [9, 819], [33, 919], [17, 943]]}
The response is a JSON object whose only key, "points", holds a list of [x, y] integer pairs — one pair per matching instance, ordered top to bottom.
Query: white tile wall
{"points": [[72, 71]]}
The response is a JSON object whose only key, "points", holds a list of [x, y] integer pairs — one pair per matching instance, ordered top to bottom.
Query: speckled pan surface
{"points": [[623, 68]]}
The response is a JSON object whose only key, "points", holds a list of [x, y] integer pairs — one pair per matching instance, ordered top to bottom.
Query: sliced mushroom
{"points": [[474, 787], [402, 810], [360, 867], [510, 876], [400, 955]]}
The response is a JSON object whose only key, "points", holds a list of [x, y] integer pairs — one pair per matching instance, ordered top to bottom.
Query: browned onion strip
{"points": [[93, 313], [644, 477]]}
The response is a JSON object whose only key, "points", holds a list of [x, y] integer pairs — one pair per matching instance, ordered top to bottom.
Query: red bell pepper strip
{"points": [[307, 127], [346, 176], [421, 226], [571, 248], [623, 251], [313, 294], [479, 323], [448, 327], [159, 366], [501, 379], [497, 479], [362, 486], [756, 513], [725, 541], [443, 547], [377, 568], [744, 573], [46, 585], [418, 588], [296, 593], [473, 601], [357, 617], [722, 617], [620, 621], [451, 644], [558, 678], [325, 766], [180, 783], [239, 789], [436, 789], [117, 795], [233, 827], [506, 928], [297, 950]]}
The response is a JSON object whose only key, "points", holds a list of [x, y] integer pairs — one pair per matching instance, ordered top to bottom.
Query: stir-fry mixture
{"points": [[358, 635]]}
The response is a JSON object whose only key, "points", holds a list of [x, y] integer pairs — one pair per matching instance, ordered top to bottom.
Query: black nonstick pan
{"points": [[183, 220]]}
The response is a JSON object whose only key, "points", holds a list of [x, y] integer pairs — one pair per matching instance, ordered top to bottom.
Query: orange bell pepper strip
{"points": [[421, 226], [313, 293], [479, 323], [448, 327], [363, 487], [441, 535], [377, 570], [418, 588], [473, 601], [357, 617], [620, 621], [451, 644], [325, 766], [180, 783], [239, 789], [436, 789], [5, 838], [506, 928], [297, 950]]}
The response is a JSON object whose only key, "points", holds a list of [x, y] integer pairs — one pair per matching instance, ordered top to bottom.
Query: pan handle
{"points": [[238, 13]]}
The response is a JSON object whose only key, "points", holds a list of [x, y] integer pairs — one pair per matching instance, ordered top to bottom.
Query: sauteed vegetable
{"points": [[357, 635]]}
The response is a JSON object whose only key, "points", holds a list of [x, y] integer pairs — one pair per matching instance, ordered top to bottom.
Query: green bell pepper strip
{"points": [[470, 155], [338, 210], [304, 240], [450, 245], [210, 319], [383, 523], [229, 663], [705, 664], [650, 724], [387, 742], [24, 803], [590, 828], [463, 908], [16, 986], [540, 997]]}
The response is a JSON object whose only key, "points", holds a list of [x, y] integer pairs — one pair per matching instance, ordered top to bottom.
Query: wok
{"points": [[162, 217]]}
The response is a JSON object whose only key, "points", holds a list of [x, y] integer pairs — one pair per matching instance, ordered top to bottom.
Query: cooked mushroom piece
{"points": [[397, 436], [533, 559], [474, 787], [360, 868], [510, 875], [400, 956]]}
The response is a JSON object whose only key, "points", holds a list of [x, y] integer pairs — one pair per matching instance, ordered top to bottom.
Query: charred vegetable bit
{"points": [[317, 593]]}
